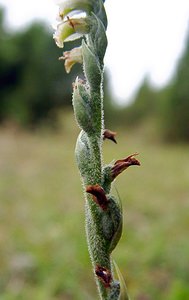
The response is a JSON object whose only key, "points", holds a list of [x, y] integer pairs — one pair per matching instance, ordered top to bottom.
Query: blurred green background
{"points": [[43, 252]]}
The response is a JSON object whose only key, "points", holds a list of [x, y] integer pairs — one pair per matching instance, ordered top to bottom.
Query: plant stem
{"points": [[103, 212]]}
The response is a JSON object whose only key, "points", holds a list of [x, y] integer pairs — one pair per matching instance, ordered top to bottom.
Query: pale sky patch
{"points": [[146, 37]]}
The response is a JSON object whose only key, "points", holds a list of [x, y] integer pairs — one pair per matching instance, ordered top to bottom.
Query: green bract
{"points": [[82, 107]]}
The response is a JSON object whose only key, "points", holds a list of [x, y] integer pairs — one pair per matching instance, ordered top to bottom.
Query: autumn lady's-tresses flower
{"points": [[66, 7], [86, 19], [70, 30], [72, 57]]}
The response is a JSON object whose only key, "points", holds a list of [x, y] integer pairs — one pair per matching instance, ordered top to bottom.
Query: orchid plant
{"points": [[86, 20]]}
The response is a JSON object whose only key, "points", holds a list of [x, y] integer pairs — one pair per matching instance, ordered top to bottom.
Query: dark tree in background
{"points": [[33, 83], [34, 87], [176, 102], [168, 106]]}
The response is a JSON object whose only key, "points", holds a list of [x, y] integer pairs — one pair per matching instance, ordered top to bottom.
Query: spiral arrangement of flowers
{"points": [[86, 20]]}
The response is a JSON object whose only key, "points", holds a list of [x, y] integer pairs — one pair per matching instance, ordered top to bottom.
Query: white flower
{"points": [[67, 6], [70, 29], [72, 57]]}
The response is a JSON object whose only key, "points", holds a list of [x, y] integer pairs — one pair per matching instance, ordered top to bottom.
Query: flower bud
{"points": [[100, 12], [97, 38], [91, 67], [82, 106], [83, 157], [112, 222], [115, 290]]}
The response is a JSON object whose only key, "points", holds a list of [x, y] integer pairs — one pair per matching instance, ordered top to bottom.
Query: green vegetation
{"points": [[33, 83], [34, 87], [175, 106], [168, 107], [103, 210], [42, 238]]}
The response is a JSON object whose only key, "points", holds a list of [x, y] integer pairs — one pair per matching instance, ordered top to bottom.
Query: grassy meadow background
{"points": [[42, 238], [43, 251]]}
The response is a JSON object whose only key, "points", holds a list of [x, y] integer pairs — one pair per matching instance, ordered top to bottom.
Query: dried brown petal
{"points": [[108, 134], [122, 164], [99, 195], [104, 276]]}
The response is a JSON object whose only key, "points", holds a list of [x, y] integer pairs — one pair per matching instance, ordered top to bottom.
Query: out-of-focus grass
{"points": [[43, 252]]}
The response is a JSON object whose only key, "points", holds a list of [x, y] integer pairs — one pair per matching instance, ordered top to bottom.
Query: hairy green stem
{"points": [[103, 211]]}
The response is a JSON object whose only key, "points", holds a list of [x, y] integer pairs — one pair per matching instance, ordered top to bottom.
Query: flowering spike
{"points": [[103, 214]]}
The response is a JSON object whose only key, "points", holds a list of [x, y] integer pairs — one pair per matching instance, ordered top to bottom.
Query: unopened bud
{"points": [[91, 67], [82, 106]]}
